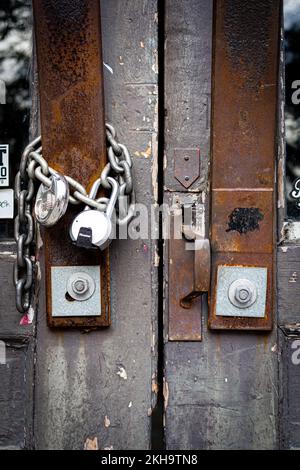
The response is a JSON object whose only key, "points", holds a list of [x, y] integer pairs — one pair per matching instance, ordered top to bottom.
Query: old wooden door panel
{"points": [[289, 345], [16, 362], [99, 385], [220, 393]]}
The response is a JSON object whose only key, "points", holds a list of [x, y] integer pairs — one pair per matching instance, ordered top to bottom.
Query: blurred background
{"points": [[15, 53], [292, 109]]}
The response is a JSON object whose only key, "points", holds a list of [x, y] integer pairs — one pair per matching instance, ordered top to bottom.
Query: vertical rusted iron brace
{"points": [[69, 57]]}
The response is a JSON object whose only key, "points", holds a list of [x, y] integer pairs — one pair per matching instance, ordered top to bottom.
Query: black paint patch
{"points": [[244, 220]]}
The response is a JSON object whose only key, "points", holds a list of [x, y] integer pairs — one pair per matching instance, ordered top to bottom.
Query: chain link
{"points": [[34, 167], [24, 232]]}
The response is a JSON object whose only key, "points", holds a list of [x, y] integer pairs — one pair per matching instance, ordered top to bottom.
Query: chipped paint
{"points": [[142, 44], [155, 61], [109, 68], [147, 152], [155, 175], [8, 254], [156, 258], [294, 277], [153, 342], [274, 348], [122, 373], [154, 387], [166, 393], [130, 404], [106, 422], [91, 444]]}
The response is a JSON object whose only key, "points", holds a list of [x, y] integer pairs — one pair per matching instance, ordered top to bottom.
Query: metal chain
{"points": [[34, 167], [24, 232]]}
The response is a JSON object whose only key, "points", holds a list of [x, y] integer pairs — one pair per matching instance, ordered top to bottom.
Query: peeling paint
{"points": [[155, 61], [109, 68], [154, 177], [8, 254], [156, 258], [293, 277], [274, 348], [122, 373], [154, 384], [166, 393], [91, 444]]}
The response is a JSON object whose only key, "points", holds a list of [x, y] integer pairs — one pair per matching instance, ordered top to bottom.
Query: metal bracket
{"points": [[72, 99], [244, 125], [187, 165], [189, 271], [76, 291]]}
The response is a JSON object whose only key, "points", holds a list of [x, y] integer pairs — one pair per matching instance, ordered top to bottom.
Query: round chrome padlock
{"points": [[51, 202], [98, 222]]}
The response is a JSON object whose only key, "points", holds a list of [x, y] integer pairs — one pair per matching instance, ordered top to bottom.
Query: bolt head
{"points": [[80, 286], [242, 293]]}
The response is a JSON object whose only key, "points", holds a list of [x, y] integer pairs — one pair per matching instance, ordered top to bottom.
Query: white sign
{"points": [[4, 165], [6, 203]]}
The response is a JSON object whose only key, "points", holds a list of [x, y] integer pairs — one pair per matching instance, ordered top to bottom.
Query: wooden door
{"points": [[154, 379], [75, 390]]}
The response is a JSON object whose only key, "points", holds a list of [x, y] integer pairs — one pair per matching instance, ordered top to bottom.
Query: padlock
{"points": [[52, 202], [92, 228]]}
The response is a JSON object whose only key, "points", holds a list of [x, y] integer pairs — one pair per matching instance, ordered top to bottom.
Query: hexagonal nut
{"points": [[81, 286], [242, 293]]}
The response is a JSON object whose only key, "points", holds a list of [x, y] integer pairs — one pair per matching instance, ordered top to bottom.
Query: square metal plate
{"points": [[226, 276], [61, 307]]}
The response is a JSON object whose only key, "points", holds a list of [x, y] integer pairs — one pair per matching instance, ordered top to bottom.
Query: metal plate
{"points": [[73, 129], [243, 146], [187, 165], [226, 276], [61, 306], [184, 323]]}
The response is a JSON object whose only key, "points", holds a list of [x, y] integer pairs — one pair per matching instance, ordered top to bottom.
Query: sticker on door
{"points": [[4, 165], [6, 203]]}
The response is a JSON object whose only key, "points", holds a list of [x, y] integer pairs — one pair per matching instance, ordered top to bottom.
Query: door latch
{"points": [[193, 229]]}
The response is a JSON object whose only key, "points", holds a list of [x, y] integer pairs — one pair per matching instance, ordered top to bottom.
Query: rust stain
{"points": [[69, 56]]}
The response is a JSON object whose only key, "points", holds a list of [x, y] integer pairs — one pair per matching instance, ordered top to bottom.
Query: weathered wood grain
{"points": [[288, 262], [99, 385], [289, 392], [221, 393], [16, 402]]}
